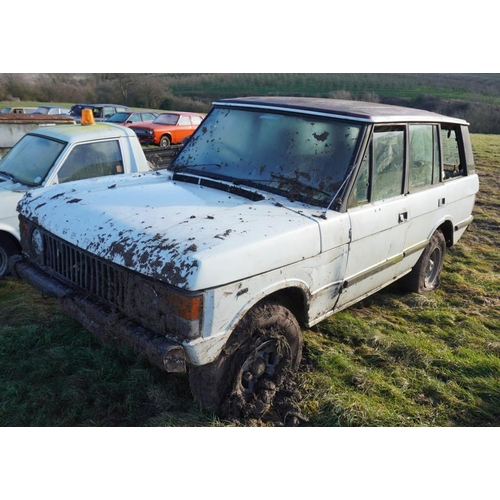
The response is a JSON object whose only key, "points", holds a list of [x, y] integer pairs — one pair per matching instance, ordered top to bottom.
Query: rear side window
{"points": [[107, 112], [196, 120], [424, 156], [92, 160]]}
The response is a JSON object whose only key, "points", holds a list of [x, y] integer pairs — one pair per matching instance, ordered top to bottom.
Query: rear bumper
{"points": [[105, 324]]}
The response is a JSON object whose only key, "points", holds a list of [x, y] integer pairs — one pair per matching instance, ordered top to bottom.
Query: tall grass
{"points": [[392, 360]]}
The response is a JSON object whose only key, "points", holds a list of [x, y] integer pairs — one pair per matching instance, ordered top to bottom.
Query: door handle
{"points": [[403, 217]]}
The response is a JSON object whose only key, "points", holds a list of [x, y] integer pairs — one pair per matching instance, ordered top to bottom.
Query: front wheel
{"points": [[164, 141], [7, 248], [426, 275], [260, 356]]}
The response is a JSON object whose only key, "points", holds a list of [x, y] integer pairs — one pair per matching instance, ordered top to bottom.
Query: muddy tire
{"points": [[7, 248], [426, 275], [261, 355]]}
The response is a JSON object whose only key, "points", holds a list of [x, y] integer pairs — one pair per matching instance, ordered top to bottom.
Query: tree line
{"points": [[474, 97]]}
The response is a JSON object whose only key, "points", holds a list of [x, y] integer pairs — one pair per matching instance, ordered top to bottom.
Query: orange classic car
{"points": [[168, 128]]}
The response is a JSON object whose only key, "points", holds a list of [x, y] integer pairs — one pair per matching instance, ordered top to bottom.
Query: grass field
{"points": [[447, 86], [392, 360]]}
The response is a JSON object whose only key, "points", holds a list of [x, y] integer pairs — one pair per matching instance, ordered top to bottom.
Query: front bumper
{"points": [[147, 141], [102, 322]]}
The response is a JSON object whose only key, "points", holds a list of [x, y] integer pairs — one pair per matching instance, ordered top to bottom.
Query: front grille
{"points": [[88, 273], [149, 303]]}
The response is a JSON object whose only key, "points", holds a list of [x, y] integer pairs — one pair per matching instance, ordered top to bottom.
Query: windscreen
{"points": [[119, 117], [167, 119], [304, 158], [31, 159]]}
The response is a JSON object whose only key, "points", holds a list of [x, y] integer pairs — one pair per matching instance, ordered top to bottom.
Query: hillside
{"points": [[473, 96]]}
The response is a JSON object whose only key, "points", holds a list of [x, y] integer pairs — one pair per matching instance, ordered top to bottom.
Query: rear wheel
{"points": [[165, 141], [7, 248], [426, 275], [260, 356]]}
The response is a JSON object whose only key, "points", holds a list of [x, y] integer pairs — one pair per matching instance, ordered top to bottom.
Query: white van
{"points": [[47, 156], [277, 213]]}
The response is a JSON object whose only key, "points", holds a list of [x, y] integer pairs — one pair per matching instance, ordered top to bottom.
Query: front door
{"points": [[378, 214]]}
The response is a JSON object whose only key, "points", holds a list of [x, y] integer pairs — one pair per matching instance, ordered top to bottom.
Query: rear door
{"points": [[184, 129], [439, 189], [425, 193]]}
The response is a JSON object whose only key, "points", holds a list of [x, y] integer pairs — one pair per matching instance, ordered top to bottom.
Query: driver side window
{"points": [[92, 160], [388, 162], [381, 173]]}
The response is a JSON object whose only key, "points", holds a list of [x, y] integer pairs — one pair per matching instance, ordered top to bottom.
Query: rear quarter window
{"points": [[453, 161]]}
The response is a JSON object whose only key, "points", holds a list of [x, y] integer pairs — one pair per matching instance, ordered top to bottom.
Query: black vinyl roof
{"points": [[356, 110]]}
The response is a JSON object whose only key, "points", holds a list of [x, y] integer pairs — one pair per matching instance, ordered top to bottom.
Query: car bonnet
{"points": [[190, 236]]}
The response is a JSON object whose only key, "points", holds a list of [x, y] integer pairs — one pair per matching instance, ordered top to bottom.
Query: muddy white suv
{"points": [[278, 213]]}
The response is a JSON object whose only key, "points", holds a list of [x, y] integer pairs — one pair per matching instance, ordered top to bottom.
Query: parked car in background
{"points": [[76, 109], [17, 110], [51, 110], [101, 111], [127, 118], [168, 128], [55, 155]]}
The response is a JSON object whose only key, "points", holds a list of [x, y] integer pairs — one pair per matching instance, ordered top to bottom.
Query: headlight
{"points": [[37, 243], [164, 309]]}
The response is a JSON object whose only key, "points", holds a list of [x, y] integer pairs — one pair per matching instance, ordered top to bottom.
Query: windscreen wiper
{"points": [[191, 168], [9, 176], [220, 184]]}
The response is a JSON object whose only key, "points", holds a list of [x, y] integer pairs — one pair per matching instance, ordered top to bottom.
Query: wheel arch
{"points": [[446, 228], [11, 238], [293, 298]]}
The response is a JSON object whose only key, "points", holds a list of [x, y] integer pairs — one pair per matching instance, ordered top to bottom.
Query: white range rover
{"points": [[277, 213]]}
